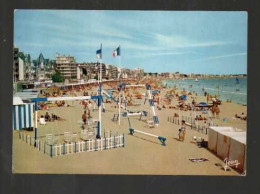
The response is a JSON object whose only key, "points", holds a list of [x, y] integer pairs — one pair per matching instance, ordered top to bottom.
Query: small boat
{"points": [[196, 80]]}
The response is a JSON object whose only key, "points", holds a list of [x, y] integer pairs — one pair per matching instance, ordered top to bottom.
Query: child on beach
{"points": [[84, 117], [182, 131]]}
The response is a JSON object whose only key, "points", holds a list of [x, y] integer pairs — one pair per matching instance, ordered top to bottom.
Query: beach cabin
{"points": [[22, 114], [228, 143]]}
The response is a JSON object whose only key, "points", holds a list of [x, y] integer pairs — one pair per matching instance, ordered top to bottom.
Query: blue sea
{"points": [[226, 88]]}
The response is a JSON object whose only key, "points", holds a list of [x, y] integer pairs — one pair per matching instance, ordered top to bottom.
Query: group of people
{"points": [[86, 114], [47, 118], [200, 118]]}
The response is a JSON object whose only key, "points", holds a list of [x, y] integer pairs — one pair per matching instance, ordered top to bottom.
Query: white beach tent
{"points": [[22, 114], [213, 136], [224, 142], [228, 142], [238, 150]]}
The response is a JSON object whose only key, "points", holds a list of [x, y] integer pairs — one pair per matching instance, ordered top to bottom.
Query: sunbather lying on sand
{"points": [[242, 116], [55, 117]]}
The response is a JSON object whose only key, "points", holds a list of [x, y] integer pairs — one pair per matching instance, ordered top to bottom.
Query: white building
{"points": [[67, 66], [21, 69]]}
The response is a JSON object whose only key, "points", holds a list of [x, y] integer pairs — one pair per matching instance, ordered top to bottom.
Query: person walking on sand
{"points": [[208, 98], [217, 111], [84, 117], [182, 131]]}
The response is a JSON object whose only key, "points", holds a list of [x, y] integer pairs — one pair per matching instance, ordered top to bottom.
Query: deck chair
{"points": [[90, 121], [150, 123], [91, 134], [84, 135], [67, 137], [74, 137], [50, 139]]}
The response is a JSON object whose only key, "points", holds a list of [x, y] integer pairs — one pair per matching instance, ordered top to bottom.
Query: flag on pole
{"points": [[117, 52], [99, 53]]}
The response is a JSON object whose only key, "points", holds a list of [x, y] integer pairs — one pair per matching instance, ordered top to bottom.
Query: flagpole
{"points": [[99, 99], [119, 103]]}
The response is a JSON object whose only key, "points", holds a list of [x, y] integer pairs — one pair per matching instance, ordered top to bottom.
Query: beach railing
{"points": [[174, 120], [191, 122], [109, 141]]}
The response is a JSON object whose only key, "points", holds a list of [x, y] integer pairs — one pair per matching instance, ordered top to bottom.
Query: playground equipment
{"points": [[121, 100], [151, 103], [160, 138]]}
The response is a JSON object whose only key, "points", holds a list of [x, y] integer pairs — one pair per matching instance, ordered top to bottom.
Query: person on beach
{"points": [[208, 98], [193, 105], [86, 106], [217, 111], [242, 116], [47, 117], [84, 117], [42, 120], [182, 131]]}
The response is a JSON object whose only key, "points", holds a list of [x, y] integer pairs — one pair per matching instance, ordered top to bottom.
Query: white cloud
{"points": [[183, 42], [219, 57]]}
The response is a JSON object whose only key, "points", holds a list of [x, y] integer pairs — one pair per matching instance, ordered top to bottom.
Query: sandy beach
{"points": [[141, 154]]}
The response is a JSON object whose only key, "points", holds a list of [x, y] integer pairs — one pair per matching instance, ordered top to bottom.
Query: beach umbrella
{"points": [[203, 104]]}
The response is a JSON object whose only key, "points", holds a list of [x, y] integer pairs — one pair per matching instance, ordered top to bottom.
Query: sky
{"points": [[157, 41]]}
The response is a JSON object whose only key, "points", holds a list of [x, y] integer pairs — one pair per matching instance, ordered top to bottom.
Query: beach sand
{"points": [[141, 154]]}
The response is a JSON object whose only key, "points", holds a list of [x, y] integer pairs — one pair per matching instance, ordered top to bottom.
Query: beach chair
{"points": [[115, 117], [90, 121], [150, 123], [84, 134], [91, 134], [67, 137], [74, 137], [50, 139]]}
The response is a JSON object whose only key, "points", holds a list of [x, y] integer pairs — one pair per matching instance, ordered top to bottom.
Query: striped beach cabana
{"points": [[22, 114]]}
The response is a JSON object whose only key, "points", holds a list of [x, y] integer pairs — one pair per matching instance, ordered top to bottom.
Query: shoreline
{"points": [[224, 99]]}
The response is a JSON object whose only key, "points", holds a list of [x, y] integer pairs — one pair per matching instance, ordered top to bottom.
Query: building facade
{"points": [[15, 64], [67, 66], [20, 69], [112, 72]]}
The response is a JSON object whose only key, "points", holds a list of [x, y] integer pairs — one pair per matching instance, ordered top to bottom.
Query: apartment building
{"points": [[67, 66]]}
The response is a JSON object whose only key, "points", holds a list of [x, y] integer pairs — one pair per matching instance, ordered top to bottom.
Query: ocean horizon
{"points": [[225, 88]]}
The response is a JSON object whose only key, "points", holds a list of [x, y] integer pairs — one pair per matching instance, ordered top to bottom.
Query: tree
{"points": [[57, 77], [96, 77]]}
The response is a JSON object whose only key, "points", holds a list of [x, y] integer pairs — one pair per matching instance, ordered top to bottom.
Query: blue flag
{"points": [[99, 53]]}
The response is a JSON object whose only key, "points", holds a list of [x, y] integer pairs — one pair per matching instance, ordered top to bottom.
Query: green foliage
{"points": [[57, 77], [96, 77]]}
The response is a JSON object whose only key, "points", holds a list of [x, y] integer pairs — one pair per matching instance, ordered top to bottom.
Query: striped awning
{"points": [[23, 116]]}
